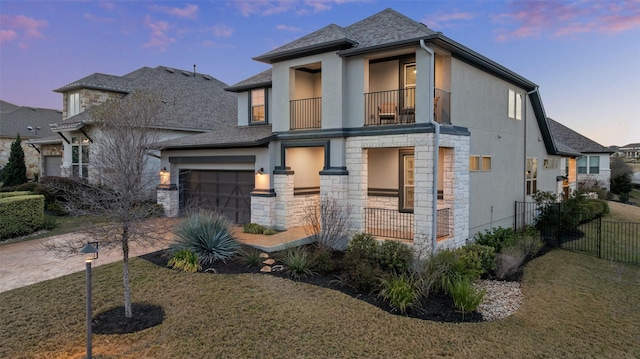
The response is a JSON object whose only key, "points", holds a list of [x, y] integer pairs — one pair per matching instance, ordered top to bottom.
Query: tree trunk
{"points": [[128, 313]]}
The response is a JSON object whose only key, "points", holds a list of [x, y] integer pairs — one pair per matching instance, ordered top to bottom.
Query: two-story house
{"points": [[192, 103], [423, 138]]}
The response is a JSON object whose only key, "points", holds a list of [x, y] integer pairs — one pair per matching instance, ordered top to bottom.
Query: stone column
{"points": [[169, 199]]}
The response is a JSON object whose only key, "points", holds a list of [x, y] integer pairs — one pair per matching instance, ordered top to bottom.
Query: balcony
{"points": [[398, 107], [306, 113]]}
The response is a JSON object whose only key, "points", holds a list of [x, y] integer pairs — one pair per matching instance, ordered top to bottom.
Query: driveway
{"points": [[26, 263]]}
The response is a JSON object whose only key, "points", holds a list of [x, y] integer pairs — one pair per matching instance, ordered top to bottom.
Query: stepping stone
{"points": [[264, 255], [269, 261], [277, 268], [265, 269]]}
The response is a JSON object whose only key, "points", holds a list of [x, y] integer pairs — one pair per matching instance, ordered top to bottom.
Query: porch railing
{"points": [[398, 106], [306, 113], [390, 223]]}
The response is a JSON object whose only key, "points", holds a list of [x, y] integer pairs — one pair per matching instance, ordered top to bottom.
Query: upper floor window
{"points": [[73, 105], [515, 105], [258, 106], [80, 157]]}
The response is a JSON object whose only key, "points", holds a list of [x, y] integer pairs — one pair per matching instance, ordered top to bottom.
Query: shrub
{"points": [[15, 171], [604, 204], [21, 215], [49, 223], [253, 228], [269, 232], [208, 235], [496, 237], [530, 245], [364, 246], [394, 256], [250, 257], [477, 259], [185, 260], [509, 261], [297, 262], [324, 262], [361, 268], [442, 270], [401, 291], [465, 296]]}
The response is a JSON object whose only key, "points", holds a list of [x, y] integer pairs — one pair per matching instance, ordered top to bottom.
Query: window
{"points": [[409, 85], [73, 104], [515, 105], [258, 106], [79, 157], [474, 163], [479, 163], [486, 163], [550, 163], [594, 164], [582, 165], [532, 175], [407, 180]]}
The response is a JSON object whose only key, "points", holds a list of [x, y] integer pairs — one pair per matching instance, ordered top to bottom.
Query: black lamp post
{"points": [[90, 248]]}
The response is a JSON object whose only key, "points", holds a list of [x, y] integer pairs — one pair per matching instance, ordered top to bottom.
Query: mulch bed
{"points": [[435, 307]]}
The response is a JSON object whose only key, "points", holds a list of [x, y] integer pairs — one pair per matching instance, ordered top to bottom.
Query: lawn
{"points": [[64, 224], [575, 306]]}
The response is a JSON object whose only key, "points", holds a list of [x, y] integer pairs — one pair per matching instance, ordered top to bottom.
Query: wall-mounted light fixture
{"points": [[260, 171], [165, 178]]}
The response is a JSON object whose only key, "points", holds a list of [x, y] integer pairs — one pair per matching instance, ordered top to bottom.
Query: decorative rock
{"points": [[264, 255], [269, 261], [277, 268], [265, 269], [211, 270], [501, 299]]}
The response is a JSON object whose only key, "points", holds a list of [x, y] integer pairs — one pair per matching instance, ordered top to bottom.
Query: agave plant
{"points": [[208, 235]]}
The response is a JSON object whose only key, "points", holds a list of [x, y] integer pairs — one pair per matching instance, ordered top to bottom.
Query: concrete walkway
{"points": [[26, 263]]}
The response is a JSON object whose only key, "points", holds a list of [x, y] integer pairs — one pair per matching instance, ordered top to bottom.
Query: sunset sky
{"points": [[584, 55]]}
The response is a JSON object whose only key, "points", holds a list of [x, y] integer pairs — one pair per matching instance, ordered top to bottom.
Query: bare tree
{"points": [[619, 167], [120, 189], [327, 223]]}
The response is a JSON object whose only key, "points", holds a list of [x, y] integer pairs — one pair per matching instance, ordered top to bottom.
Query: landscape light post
{"points": [[89, 248]]}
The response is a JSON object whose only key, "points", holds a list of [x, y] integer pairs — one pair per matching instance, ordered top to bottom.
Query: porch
{"points": [[389, 223], [292, 237]]}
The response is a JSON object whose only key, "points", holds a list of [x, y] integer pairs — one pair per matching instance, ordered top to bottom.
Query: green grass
{"points": [[634, 195], [64, 225], [575, 306]]}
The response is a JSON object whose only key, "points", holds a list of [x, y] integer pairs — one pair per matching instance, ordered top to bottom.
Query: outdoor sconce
{"points": [[260, 171], [165, 177], [90, 248]]}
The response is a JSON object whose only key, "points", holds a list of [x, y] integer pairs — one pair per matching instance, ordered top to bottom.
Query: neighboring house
{"points": [[191, 103], [33, 125], [420, 136], [631, 150], [593, 165]]}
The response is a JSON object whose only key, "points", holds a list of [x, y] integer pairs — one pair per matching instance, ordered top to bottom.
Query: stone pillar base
{"points": [[169, 200]]}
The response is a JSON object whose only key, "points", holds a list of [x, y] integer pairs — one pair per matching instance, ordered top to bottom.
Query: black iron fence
{"points": [[443, 228], [582, 231]]}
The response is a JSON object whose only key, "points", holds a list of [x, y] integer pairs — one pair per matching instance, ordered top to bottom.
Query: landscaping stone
{"points": [[264, 255], [269, 261], [277, 268], [265, 269], [501, 299]]}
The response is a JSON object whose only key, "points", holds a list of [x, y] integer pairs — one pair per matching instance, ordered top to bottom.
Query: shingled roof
{"points": [[386, 28], [191, 101], [14, 120], [242, 136], [570, 140]]}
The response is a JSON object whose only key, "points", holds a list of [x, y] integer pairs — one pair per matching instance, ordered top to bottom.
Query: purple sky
{"points": [[584, 55]]}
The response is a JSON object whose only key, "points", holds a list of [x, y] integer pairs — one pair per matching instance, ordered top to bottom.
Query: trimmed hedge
{"points": [[14, 194], [21, 215]]}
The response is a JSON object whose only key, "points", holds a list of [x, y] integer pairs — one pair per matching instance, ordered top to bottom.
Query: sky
{"points": [[583, 55]]}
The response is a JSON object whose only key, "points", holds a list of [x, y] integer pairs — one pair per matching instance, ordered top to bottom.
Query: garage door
{"points": [[52, 165], [227, 192]]}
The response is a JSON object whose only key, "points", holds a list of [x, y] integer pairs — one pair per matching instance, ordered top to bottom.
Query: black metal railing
{"points": [[399, 106], [306, 113], [389, 223], [585, 232]]}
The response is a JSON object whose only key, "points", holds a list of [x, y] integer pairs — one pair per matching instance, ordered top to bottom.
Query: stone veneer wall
{"points": [[88, 99], [31, 156], [357, 163], [169, 200], [263, 210]]}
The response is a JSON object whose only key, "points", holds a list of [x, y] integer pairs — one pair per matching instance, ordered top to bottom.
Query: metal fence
{"points": [[306, 113], [391, 223], [582, 231]]}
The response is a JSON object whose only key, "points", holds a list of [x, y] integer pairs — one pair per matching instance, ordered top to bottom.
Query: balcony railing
{"points": [[398, 107], [306, 113], [390, 223]]}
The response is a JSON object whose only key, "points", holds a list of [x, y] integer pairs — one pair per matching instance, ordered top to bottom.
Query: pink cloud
{"points": [[107, 5], [267, 8], [188, 12], [553, 18], [97, 19], [444, 20], [23, 25], [288, 28], [222, 31], [7, 35], [159, 37]]}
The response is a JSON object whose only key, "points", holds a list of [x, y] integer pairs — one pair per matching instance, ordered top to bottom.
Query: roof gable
{"points": [[15, 119], [567, 137]]}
